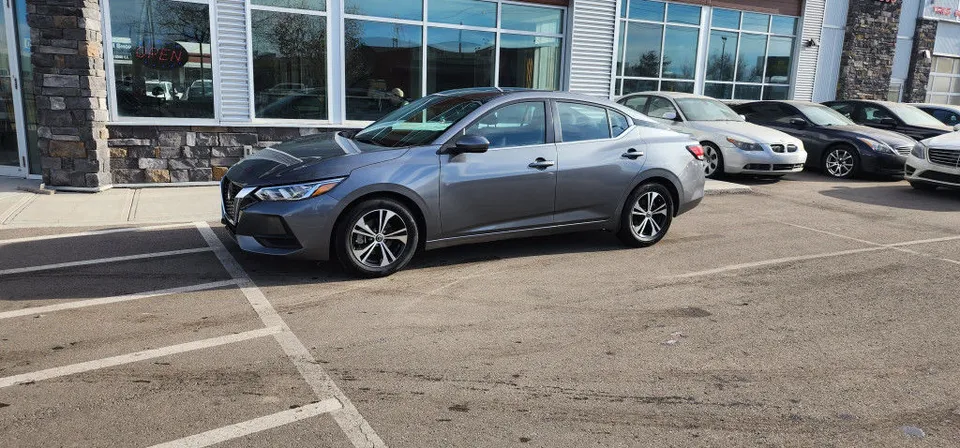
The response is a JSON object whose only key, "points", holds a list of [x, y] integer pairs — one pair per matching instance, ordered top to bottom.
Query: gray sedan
{"points": [[461, 167]]}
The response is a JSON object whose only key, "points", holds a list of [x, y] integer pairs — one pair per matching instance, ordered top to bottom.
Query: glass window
{"points": [[317, 5], [394, 9], [646, 10], [463, 12], [678, 13], [531, 18], [725, 18], [755, 22], [784, 25], [753, 48], [723, 50], [642, 52], [680, 52], [162, 59], [458, 59], [529, 61], [779, 61], [289, 65], [383, 67], [638, 85], [677, 86], [943, 86], [721, 91], [747, 92], [776, 92], [637, 103], [660, 108], [845, 109], [874, 114], [945, 116], [419, 122], [579, 122], [618, 123], [521, 124]]}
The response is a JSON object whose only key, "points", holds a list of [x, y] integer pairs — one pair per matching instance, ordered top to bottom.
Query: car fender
{"points": [[642, 177]]}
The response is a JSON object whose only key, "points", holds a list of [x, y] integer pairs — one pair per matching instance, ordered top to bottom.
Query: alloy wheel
{"points": [[712, 159], [840, 163], [649, 216], [378, 238]]}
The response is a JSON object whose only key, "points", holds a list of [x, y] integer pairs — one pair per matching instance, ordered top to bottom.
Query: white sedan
{"points": [[731, 144], [935, 162]]}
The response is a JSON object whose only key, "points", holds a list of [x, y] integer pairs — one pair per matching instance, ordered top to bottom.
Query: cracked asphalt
{"points": [[810, 313]]}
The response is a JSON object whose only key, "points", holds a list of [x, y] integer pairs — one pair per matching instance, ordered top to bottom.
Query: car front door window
{"points": [[637, 103], [662, 108], [876, 115], [520, 124]]}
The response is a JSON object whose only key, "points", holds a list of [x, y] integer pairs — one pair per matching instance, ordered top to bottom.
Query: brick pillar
{"points": [[869, 46], [915, 87], [71, 92]]}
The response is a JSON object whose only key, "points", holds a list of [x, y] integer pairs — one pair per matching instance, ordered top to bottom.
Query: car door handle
{"points": [[632, 154], [542, 163]]}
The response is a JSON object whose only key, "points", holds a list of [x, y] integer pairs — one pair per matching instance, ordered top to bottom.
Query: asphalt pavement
{"points": [[812, 312]]}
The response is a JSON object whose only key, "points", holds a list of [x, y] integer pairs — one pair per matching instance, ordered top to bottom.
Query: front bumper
{"points": [[736, 161], [889, 164], [922, 170]]}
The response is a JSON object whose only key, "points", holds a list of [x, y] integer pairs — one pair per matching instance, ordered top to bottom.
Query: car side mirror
{"points": [[672, 116], [742, 117], [798, 122], [888, 122], [956, 127], [474, 144]]}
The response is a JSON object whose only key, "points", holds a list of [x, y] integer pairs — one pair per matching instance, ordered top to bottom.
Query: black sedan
{"points": [[902, 118], [835, 144]]}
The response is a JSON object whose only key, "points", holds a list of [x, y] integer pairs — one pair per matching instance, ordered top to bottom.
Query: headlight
{"points": [[745, 146], [877, 146], [919, 151], [296, 192]]}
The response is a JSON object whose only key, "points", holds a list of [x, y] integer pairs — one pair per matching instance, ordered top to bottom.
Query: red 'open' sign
{"points": [[167, 56]]}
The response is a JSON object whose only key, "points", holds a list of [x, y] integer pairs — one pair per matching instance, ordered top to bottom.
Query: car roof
{"points": [[669, 94], [939, 106]]}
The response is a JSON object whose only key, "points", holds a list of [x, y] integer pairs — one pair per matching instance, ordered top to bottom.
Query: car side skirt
{"points": [[519, 233]]}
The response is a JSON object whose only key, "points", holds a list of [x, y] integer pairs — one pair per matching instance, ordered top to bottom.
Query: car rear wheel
{"points": [[713, 161], [841, 162], [923, 186], [646, 216], [376, 238]]}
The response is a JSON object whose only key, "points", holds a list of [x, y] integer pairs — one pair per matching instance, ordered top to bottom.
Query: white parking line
{"points": [[94, 233], [897, 246], [775, 261], [48, 267], [115, 299], [135, 357], [256, 425], [356, 428]]}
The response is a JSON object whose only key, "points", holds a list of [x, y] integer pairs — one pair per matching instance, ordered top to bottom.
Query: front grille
{"points": [[778, 148], [792, 148], [903, 150], [948, 157], [787, 166], [757, 167], [909, 170], [942, 177], [228, 191]]}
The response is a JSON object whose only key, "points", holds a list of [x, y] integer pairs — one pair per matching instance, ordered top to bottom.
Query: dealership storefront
{"points": [[175, 91]]}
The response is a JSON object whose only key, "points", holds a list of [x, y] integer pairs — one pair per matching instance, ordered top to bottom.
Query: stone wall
{"points": [[869, 45], [67, 57], [915, 86], [167, 154]]}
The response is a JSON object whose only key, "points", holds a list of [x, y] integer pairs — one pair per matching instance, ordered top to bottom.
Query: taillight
{"points": [[696, 150]]}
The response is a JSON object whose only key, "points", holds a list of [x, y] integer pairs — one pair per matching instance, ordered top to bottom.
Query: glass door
{"points": [[13, 154]]}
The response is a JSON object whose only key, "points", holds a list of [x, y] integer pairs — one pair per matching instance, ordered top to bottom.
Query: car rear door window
{"points": [[637, 103], [660, 107], [579, 122], [618, 123], [519, 124]]}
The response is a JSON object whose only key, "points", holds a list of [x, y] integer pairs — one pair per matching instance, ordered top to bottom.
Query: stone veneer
{"points": [[869, 45], [67, 57], [915, 86], [165, 154]]}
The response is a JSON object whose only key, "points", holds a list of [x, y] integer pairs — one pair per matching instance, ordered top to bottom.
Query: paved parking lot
{"points": [[812, 312]]}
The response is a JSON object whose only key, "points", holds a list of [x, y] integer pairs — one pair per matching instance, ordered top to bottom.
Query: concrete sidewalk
{"points": [[128, 206]]}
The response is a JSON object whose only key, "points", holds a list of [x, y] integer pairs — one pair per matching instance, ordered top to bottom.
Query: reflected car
{"points": [[947, 114], [897, 117], [835, 144], [732, 145], [935, 163], [460, 167]]}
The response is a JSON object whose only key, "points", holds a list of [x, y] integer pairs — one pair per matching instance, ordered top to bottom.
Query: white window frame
{"points": [[623, 24], [954, 78], [115, 118]]}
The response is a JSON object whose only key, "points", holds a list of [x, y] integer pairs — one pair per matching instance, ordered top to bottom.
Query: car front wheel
{"points": [[713, 161], [841, 162], [647, 216], [376, 238]]}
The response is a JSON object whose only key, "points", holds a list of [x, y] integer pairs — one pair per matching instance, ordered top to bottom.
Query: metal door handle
{"points": [[632, 154], [542, 163]]}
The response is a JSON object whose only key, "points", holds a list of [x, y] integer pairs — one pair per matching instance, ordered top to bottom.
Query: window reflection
{"points": [[317, 5], [396, 9], [646, 10], [463, 12], [531, 18], [723, 49], [680, 52], [642, 53], [459, 58], [162, 59], [778, 60], [529, 61], [750, 63], [289, 65], [383, 67], [638, 85]]}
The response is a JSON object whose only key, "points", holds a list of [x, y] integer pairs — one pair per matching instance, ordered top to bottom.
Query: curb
{"points": [[725, 188]]}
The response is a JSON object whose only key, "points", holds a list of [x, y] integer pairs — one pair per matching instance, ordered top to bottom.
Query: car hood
{"points": [[742, 130], [894, 139], [945, 141], [315, 157]]}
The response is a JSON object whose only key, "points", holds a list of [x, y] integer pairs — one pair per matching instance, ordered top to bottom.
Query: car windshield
{"points": [[702, 109], [822, 115], [913, 116], [419, 122]]}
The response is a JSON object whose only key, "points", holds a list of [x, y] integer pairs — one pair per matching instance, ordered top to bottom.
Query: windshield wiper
{"points": [[368, 141]]}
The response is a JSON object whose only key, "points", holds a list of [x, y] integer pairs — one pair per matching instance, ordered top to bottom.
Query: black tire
{"points": [[708, 162], [841, 162], [923, 186], [634, 224], [377, 251]]}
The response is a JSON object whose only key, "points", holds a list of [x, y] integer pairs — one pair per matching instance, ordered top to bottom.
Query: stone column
{"points": [[869, 46], [915, 87], [71, 92]]}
